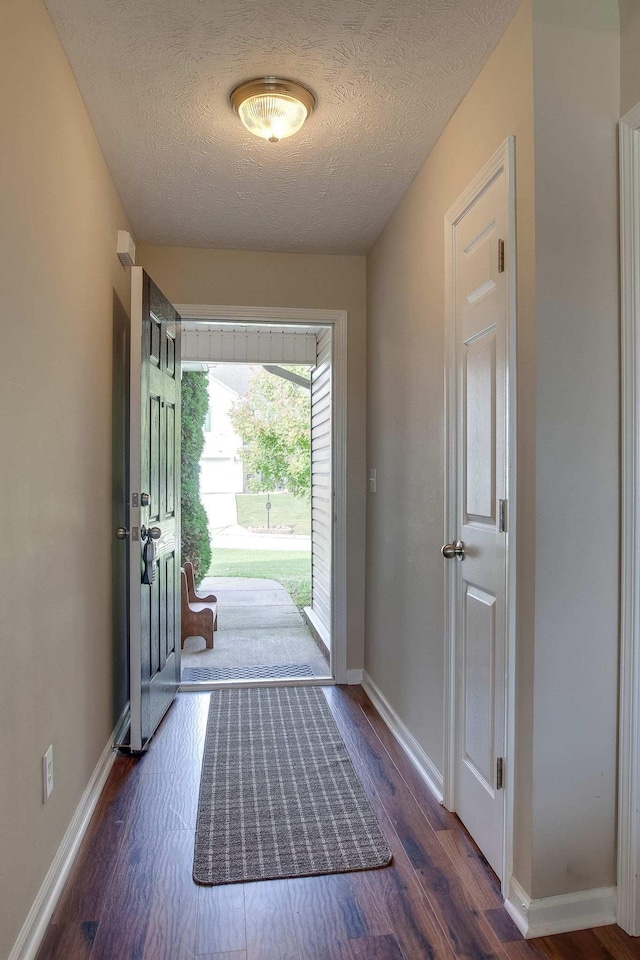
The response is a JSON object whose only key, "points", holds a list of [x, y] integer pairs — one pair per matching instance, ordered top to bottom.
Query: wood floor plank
{"points": [[178, 744], [162, 802], [437, 815], [471, 867], [397, 886], [367, 889], [86, 891], [130, 895], [173, 909], [221, 919], [269, 923], [414, 923], [123, 925], [321, 925], [502, 925], [470, 935], [74, 939], [619, 944], [568, 946], [372, 948], [48, 949], [524, 950], [234, 955]]}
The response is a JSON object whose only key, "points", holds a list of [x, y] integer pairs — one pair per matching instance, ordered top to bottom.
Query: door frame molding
{"points": [[503, 160], [337, 320], [628, 907]]}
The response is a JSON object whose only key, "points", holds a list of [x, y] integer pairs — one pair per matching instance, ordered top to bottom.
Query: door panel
{"points": [[480, 373], [153, 483], [154, 615], [478, 655]]}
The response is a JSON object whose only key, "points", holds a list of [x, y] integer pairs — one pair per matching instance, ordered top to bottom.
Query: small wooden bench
{"points": [[194, 596], [198, 620]]}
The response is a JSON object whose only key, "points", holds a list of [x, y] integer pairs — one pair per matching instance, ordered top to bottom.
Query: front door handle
{"points": [[150, 533], [454, 551]]}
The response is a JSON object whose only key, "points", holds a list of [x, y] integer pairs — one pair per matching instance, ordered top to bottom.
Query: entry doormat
{"points": [[280, 671], [279, 796]]}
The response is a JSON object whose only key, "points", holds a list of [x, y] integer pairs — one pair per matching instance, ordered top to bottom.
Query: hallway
{"points": [[131, 895]]}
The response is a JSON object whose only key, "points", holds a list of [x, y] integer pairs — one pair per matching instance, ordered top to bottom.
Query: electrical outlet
{"points": [[47, 774]]}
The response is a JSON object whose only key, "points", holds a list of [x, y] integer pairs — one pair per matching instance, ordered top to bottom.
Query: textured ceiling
{"points": [[156, 75]]}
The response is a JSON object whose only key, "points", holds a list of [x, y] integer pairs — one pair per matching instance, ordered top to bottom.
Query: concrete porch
{"points": [[261, 635]]}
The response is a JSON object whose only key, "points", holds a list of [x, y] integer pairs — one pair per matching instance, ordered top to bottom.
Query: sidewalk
{"points": [[239, 538]]}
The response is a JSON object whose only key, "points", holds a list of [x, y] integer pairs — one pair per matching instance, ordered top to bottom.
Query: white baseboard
{"points": [[354, 676], [423, 763], [572, 911], [34, 927]]}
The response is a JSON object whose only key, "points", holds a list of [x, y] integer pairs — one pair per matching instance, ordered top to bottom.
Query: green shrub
{"points": [[196, 544]]}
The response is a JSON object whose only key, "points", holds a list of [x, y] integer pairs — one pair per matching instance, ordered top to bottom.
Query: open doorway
{"points": [[255, 487], [266, 487]]}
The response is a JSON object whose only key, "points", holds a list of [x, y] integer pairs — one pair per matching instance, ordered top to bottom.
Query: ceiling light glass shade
{"points": [[272, 108]]}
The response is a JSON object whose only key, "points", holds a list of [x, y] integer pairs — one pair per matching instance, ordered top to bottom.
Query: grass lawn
{"points": [[286, 511], [290, 568]]}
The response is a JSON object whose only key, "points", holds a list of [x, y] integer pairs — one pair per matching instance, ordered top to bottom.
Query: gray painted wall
{"points": [[629, 54], [554, 82], [576, 89], [63, 299], [405, 351]]}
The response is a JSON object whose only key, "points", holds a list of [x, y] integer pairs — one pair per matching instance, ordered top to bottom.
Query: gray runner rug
{"points": [[279, 796]]}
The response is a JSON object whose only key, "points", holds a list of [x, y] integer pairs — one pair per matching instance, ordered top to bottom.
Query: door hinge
{"points": [[500, 256], [503, 510], [500, 773]]}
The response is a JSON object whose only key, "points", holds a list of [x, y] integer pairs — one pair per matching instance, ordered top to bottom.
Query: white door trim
{"points": [[503, 160], [337, 319], [629, 739]]}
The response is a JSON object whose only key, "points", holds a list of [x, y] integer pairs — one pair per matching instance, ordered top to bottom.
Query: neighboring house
{"points": [[221, 465], [222, 469]]}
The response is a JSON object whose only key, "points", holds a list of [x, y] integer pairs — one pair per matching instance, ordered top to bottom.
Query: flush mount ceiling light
{"points": [[271, 107]]}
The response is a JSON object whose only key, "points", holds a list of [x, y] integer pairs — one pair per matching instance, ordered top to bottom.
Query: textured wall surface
{"points": [[629, 58], [156, 78], [576, 86], [63, 307], [404, 651]]}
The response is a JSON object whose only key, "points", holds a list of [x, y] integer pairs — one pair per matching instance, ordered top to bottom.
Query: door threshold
{"points": [[233, 684]]}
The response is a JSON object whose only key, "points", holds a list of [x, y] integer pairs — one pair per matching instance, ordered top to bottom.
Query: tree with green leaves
{"points": [[274, 421], [196, 543]]}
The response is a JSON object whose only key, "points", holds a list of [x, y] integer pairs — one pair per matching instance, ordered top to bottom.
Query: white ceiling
{"points": [[156, 75]]}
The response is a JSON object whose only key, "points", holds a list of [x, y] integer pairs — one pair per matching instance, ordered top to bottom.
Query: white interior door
{"points": [[479, 369], [154, 507]]}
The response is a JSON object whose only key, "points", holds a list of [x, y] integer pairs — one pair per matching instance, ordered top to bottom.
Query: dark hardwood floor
{"points": [[131, 896]]}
